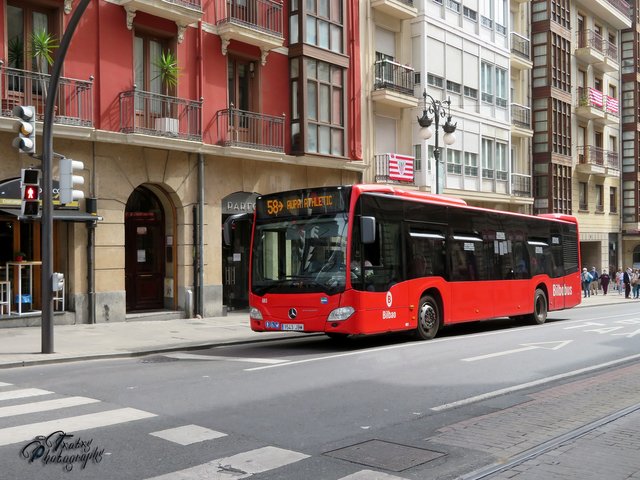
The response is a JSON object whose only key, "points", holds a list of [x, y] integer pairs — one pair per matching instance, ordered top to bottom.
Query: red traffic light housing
{"points": [[30, 186]]}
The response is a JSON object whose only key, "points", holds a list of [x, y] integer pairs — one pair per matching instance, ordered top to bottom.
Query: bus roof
{"points": [[444, 199]]}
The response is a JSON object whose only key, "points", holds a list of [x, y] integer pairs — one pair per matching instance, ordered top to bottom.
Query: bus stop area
{"points": [[615, 444]]}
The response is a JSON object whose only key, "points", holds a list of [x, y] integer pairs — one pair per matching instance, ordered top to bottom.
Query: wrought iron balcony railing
{"points": [[622, 6], [263, 15], [591, 39], [520, 45], [393, 76], [74, 100], [160, 115], [520, 115], [239, 128], [591, 155], [521, 185]]}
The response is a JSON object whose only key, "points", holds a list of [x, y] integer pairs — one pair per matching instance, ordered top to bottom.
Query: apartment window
{"points": [[453, 5], [486, 7], [560, 12], [470, 14], [501, 16], [22, 21], [324, 24], [146, 52], [561, 62], [416, 78], [435, 81], [486, 82], [454, 87], [501, 88], [471, 92], [325, 108], [561, 131], [417, 155], [487, 158], [454, 161], [501, 161], [471, 164], [561, 189], [583, 196], [599, 198], [613, 200], [629, 201]]}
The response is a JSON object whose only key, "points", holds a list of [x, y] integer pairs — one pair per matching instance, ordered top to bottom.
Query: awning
{"points": [[61, 215]]}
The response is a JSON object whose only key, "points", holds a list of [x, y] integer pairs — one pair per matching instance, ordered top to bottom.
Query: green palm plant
{"points": [[43, 46], [168, 70]]}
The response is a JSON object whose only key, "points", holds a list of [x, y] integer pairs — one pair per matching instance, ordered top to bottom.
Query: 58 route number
{"points": [[274, 207]]}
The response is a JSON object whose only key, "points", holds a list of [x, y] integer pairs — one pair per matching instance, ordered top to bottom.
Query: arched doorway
{"points": [[144, 251]]}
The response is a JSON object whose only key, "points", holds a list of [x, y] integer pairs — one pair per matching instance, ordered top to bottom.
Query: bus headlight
{"points": [[341, 313], [255, 314]]}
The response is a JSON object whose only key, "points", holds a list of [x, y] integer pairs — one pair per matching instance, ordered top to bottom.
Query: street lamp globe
{"points": [[426, 133], [449, 138]]}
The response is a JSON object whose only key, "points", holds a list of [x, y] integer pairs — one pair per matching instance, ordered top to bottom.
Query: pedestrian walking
{"points": [[626, 279], [586, 280], [594, 281], [604, 281], [619, 282], [635, 283]]}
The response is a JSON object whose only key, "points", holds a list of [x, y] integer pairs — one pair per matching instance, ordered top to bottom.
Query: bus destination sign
{"points": [[301, 202]]}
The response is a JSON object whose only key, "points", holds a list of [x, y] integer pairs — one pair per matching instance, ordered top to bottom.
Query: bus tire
{"points": [[540, 306], [428, 318]]}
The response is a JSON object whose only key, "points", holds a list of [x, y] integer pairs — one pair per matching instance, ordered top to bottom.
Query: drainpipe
{"points": [[200, 308]]}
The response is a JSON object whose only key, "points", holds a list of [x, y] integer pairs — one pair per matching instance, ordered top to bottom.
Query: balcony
{"points": [[399, 9], [183, 12], [617, 13], [254, 22], [590, 47], [520, 52], [610, 63], [393, 84], [74, 98], [590, 103], [611, 112], [160, 115], [521, 120], [239, 128], [598, 161], [394, 168], [521, 185]]}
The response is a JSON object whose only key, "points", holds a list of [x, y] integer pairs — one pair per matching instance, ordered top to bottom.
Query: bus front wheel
{"points": [[539, 315], [428, 318]]}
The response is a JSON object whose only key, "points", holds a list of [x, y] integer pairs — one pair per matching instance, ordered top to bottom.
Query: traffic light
{"points": [[25, 142], [68, 180], [30, 187]]}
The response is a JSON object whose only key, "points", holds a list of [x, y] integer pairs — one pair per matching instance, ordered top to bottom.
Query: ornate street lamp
{"points": [[438, 109]]}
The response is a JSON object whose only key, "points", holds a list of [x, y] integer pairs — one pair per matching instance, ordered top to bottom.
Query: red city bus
{"points": [[369, 259]]}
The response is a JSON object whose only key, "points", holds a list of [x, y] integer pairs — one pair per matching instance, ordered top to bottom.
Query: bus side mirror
{"points": [[229, 225], [368, 229], [226, 233]]}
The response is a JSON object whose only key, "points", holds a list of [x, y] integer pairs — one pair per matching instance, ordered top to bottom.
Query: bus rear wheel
{"points": [[539, 315], [428, 318]]}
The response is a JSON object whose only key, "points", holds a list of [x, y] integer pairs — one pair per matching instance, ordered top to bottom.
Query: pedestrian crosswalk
{"points": [[18, 404]]}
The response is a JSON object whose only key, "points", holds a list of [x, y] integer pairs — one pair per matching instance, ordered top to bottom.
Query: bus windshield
{"points": [[300, 255]]}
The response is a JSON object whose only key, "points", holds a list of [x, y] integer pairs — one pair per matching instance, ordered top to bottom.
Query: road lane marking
{"points": [[423, 344], [525, 347], [193, 356], [535, 383], [2, 384], [23, 393], [45, 406], [23, 433], [188, 434], [242, 465], [371, 475]]}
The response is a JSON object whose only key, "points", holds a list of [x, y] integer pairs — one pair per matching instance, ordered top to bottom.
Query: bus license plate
{"points": [[293, 326]]}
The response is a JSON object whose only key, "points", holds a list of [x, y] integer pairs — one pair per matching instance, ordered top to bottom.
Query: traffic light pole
{"points": [[47, 182]]}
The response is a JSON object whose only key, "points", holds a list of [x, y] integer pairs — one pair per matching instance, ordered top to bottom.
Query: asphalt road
{"points": [[307, 408]]}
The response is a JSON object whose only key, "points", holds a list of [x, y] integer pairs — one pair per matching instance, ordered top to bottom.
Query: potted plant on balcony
{"points": [[43, 45], [168, 71], [20, 256]]}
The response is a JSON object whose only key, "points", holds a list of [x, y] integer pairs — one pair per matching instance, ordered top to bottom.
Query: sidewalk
{"points": [[21, 346]]}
